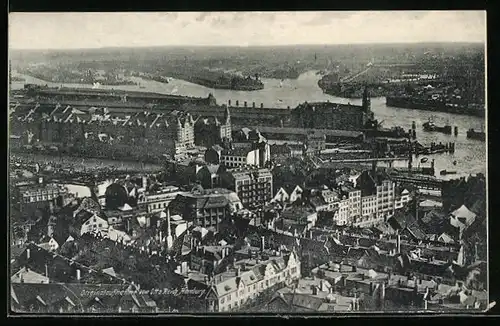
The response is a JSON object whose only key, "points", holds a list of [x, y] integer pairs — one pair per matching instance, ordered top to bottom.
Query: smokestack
{"points": [[170, 240], [262, 243], [398, 243], [78, 275]]}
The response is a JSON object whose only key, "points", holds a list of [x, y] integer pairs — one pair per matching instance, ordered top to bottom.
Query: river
{"points": [[470, 155]]}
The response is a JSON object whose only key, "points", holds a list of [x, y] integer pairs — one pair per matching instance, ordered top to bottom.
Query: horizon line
{"points": [[246, 46]]}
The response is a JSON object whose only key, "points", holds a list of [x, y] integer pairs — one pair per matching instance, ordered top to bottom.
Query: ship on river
{"points": [[408, 102], [432, 127], [479, 135]]}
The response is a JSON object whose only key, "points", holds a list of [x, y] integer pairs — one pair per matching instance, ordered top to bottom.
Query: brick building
{"points": [[326, 115], [209, 132], [98, 133]]}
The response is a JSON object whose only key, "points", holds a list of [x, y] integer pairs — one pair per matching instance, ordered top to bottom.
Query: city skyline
{"points": [[60, 31]]}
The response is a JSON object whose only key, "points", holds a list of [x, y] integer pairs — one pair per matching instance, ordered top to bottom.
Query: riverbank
{"points": [[470, 154]]}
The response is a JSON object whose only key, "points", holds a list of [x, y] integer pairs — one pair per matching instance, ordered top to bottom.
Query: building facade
{"points": [[240, 157], [254, 186], [157, 201], [205, 207], [233, 289]]}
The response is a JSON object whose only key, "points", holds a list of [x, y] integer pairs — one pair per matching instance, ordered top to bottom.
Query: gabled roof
{"points": [[464, 212], [28, 276]]}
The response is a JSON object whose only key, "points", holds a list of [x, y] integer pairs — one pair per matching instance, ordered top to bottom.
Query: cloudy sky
{"points": [[94, 30]]}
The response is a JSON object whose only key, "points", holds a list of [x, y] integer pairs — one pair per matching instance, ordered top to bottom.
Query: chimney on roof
{"points": [[229, 102], [237, 103], [245, 104], [253, 105], [261, 105], [310, 234], [262, 243], [398, 243], [28, 253], [354, 268], [238, 271], [78, 274], [415, 286], [371, 288], [314, 289], [382, 291]]}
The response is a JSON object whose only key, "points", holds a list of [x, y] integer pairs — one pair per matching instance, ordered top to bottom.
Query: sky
{"points": [[97, 30]]}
